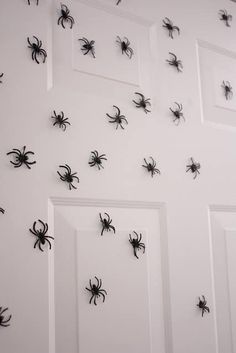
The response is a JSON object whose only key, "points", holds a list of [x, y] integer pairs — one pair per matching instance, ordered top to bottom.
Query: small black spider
{"points": [[37, 2], [118, 2], [224, 16], [65, 17], [168, 24], [88, 46], [125, 46], [37, 50], [174, 62], [1, 77], [228, 89], [142, 103], [177, 113], [118, 119], [60, 120], [21, 158], [96, 160], [151, 167], [193, 167], [68, 177], [2, 210], [106, 223], [41, 235], [136, 243], [96, 291], [202, 305], [3, 321]]}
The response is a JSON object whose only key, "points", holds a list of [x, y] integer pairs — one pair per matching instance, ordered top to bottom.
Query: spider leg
{"points": [[59, 20], [62, 22], [103, 228], [113, 228], [35, 244], [50, 245], [40, 246], [135, 254], [103, 296], [91, 298], [95, 299], [3, 310], [7, 320]]}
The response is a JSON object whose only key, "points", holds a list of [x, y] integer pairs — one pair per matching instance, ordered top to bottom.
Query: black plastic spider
{"points": [[37, 2], [224, 16], [65, 17], [168, 24], [88, 46], [125, 46], [37, 50], [174, 62], [1, 77], [228, 89], [143, 103], [177, 113], [118, 119], [60, 120], [21, 158], [96, 160], [151, 167], [193, 167], [68, 177], [2, 210], [106, 223], [41, 235], [136, 243], [96, 291], [202, 305], [3, 321]]}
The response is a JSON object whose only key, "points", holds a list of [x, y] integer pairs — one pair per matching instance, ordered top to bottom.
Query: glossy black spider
{"points": [[37, 2], [224, 16], [65, 17], [168, 24], [88, 46], [125, 46], [37, 51], [174, 62], [1, 77], [228, 89], [142, 103], [177, 113], [118, 119], [60, 120], [21, 158], [96, 160], [151, 167], [193, 167], [68, 177], [2, 210], [106, 223], [41, 235], [136, 243], [96, 291], [202, 305], [3, 321]]}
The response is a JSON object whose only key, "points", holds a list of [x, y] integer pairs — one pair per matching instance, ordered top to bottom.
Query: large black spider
{"points": [[37, 2], [224, 16], [65, 17], [168, 24], [88, 46], [125, 46], [37, 51], [174, 62], [1, 77], [228, 89], [142, 103], [177, 113], [118, 118], [60, 120], [21, 158], [96, 160], [151, 167], [193, 167], [68, 177], [2, 210], [106, 223], [41, 235], [136, 243], [96, 291], [202, 305], [4, 321]]}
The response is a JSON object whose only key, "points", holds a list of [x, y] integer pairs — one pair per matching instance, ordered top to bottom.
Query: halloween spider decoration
{"points": [[37, 2], [224, 16], [65, 17], [168, 24], [87, 46], [125, 46], [37, 50], [175, 62], [1, 77], [228, 90], [142, 103], [177, 113], [118, 119], [60, 120], [21, 158], [96, 160], [151, 167], [193, 167], [68, 177], [2, 210], [106, 223], [41, 235], [136, 243], [96, 291], [202, 305], [4, 322]]}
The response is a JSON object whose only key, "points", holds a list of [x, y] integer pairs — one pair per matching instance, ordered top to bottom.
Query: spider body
{"points": [[37, 2], [224, 16], [65, 17], [168, 24], [87, 46], [125, 46], [37, 50], [175, 62], [1, 77], [228, 90], [142, 103], [177, 113], [118, 119], [60, 120], [21, 158], [96, 160], [151, 167], [194, 168], [68, 177], [2, 210], [106, 223], [41, 235], [136, 243], [96, 291], [202, 305], [4, 322]]}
